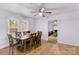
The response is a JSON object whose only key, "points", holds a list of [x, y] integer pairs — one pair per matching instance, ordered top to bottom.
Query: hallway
{"points": [[52, 39]]}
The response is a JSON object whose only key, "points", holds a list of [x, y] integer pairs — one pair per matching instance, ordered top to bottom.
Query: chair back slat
{"points": [[26, 32], [18, 34], [39, 34], [33, 35], [10, 39]]}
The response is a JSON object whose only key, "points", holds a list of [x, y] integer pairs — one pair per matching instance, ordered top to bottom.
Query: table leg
{"points": [[24, 45]]}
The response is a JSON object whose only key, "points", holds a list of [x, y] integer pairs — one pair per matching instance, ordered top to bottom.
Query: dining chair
{"points": [[26, 32], [18, 34], [33, 38], [38, 39], [11, 44], [21, 44], [25, 44], [29, 44]]}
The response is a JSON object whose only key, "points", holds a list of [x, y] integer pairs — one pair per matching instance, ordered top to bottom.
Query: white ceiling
{"points": [[26, 9]]}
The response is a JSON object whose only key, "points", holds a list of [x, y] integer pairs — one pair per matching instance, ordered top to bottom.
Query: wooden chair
{"points": [[26, 32], [18, 34], [33, 38], [38, 38], [20, 43], [23, 43], [11, 44], [26, 44], [29, 44], [22, 46]]}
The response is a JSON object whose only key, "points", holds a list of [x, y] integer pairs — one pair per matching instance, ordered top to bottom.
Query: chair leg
{"points": [[30, 45], [9, 49], [12, 50]]}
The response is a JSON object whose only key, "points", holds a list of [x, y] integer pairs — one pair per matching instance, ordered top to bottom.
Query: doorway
{"points": [[52, 31]]}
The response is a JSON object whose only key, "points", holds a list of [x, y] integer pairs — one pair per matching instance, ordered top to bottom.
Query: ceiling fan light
{"points": [[42, 9], [40, 14]]}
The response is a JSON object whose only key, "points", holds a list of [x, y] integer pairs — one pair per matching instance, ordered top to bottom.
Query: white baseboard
{"points": [[69, 43], [4, 45]]}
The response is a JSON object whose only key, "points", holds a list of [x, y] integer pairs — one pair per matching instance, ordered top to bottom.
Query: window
{"points": [[12, 25]]}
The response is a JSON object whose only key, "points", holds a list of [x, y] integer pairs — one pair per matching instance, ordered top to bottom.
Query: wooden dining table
{"points": [[24, 37]]}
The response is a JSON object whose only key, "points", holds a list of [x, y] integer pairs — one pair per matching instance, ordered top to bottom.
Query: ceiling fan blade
{"points": [[58, 8], [33, 11], [48, 12], [36, 14]]}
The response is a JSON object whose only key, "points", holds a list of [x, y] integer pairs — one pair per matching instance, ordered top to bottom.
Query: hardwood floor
{"points": [[52, 39], [47, 49]]}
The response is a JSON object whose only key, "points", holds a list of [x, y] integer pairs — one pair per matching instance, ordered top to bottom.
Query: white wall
{"points": [[4, 17], [32, 24], [42, 25], [50, 26], [68, 28]]}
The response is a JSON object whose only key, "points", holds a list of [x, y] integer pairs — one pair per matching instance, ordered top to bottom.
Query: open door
{"points": [[52, 31]]}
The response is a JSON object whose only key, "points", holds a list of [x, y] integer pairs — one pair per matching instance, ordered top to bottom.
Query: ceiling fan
{"points": [[43, 12]]}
